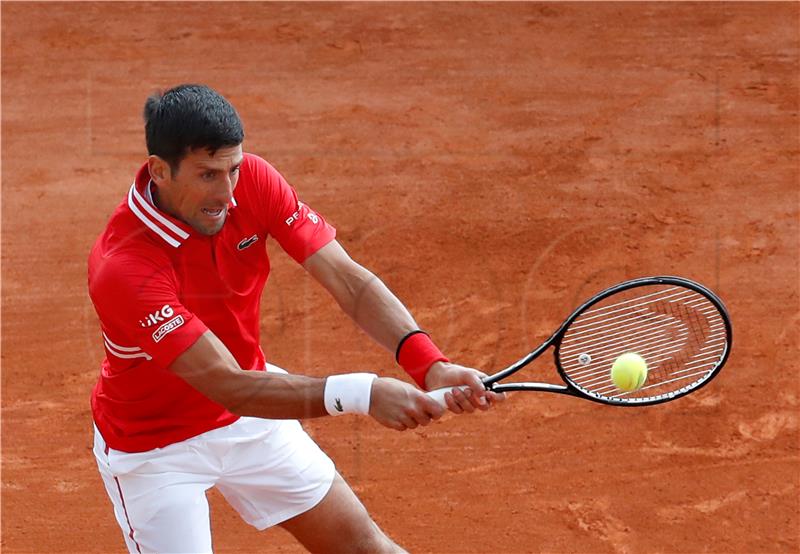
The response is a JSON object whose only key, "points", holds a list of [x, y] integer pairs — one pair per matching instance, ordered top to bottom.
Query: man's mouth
{"points": [[213, 212]]}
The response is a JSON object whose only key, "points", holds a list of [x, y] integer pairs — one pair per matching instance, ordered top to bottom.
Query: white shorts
{"points": [[268, 470]]}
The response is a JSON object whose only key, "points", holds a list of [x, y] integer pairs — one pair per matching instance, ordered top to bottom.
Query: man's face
{"points": [[199, 192]]}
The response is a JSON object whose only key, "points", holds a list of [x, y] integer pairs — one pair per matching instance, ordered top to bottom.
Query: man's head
{"points": [[194, 139]]}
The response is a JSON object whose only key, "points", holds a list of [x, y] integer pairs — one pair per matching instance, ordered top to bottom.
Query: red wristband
{"points": [[416, 353]]}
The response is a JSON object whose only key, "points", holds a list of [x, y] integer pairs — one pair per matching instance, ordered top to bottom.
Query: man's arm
{"points": [[361, 295], [374, 308], [209, 367]]}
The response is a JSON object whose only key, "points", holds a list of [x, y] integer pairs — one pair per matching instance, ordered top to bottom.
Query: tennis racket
{"points": [[680, 328]]}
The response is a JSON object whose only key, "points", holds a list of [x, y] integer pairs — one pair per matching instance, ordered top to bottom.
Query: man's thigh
{"points": [[273, 471], [277, 475], [158, 508]]}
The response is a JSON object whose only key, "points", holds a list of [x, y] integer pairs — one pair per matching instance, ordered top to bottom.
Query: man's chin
{"points": [[210, 229]]}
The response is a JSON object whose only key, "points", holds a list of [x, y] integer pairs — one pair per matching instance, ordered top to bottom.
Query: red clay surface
{"points": [[495, 164]]}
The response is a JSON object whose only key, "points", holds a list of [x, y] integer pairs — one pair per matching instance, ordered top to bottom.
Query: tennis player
{"points": [[186, 400]]}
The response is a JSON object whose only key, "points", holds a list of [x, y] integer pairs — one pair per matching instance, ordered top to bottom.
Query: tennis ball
{"points": [[629, 372]]}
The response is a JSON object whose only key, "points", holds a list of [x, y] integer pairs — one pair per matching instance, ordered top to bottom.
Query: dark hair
{"points": [[188, 117]]}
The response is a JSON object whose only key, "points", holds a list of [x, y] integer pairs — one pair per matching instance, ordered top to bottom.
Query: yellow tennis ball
{"points": [[629, 372]]}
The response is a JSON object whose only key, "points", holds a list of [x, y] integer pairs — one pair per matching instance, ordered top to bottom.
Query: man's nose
{"points": [[225, 190]]}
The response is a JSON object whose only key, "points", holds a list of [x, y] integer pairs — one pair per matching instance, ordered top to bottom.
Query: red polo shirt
{"points": [[157, 285]]}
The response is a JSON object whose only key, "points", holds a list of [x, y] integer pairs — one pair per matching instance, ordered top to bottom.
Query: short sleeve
{"points": [[299, 229], [136, 299]]}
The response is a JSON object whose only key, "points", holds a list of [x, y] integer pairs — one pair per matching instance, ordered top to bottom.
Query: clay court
{"points": [[495, 164]]}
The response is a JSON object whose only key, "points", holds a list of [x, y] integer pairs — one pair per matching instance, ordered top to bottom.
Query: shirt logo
{"points": [[296, 215], [246, 242], [157, 316], [168, 327], [338, 405]]}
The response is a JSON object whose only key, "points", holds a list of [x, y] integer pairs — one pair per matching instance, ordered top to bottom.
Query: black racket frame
{"points": [[492, 382]]}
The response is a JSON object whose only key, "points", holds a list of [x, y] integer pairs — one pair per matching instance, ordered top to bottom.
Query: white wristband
{"points": [[349, 393]]}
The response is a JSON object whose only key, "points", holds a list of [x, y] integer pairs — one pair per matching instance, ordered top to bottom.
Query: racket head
{"points": [[680, 328]]}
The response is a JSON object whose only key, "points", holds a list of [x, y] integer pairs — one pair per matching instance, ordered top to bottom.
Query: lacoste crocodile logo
{"points": [[246, 242], [338, 405]]}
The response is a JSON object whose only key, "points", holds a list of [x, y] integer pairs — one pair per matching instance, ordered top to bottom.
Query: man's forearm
{"points": [[376, 309], [209, 367], [272, 396]]}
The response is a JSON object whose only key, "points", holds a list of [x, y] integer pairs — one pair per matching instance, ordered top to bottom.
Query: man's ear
{"points": [[160, 171]]}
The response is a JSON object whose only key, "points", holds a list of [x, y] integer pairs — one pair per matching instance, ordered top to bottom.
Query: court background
{"points": [[494, 164]]}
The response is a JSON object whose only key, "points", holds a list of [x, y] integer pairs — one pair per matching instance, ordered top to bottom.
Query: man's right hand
{"points": [[401, 406]]}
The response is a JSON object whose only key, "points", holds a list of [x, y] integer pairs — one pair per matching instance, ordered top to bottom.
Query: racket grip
{"points": [[438, 394]]}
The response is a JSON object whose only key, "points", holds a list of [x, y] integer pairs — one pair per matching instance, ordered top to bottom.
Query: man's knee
{"points": [[340, 523], [359, 534], [375, 541]]}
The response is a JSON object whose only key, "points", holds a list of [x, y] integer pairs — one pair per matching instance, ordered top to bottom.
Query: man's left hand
{"points": [[446, 374]]}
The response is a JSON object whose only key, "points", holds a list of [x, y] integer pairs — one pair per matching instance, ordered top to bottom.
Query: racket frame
{"points": [[492, 382]]}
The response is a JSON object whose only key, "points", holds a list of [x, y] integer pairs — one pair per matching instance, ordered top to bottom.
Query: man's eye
{"points": [[208, 175]]}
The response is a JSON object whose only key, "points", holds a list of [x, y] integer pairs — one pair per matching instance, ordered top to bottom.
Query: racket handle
{"points": [[438, 395]]}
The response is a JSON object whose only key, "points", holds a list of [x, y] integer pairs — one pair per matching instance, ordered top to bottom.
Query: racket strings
{"points": [[679, 332]]}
